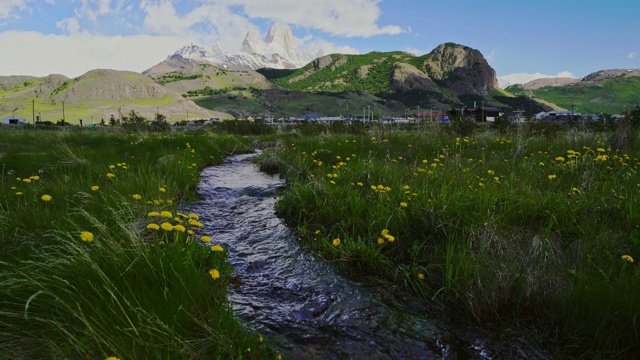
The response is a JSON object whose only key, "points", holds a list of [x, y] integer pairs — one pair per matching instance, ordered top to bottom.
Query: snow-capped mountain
{"points": [[278, 50]]}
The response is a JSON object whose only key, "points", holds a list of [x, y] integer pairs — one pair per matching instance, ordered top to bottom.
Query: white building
{"points": [[13, 120]]}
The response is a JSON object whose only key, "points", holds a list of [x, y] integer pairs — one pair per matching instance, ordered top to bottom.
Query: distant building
{"points": [[486, 113], [13, 120]]}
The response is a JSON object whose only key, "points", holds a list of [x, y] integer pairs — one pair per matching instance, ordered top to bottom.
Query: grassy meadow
{"points": [[531, 227], [537, 228], [97, 260]]}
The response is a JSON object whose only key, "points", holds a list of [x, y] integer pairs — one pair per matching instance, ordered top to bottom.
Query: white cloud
{"points": [[8, 8], [336, 17], [69, 25], [416, 52], [74, 55], [632, 55], [522, 78]]}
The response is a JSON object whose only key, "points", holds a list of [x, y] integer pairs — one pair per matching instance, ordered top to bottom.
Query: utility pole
{"points": [[33, 111]]}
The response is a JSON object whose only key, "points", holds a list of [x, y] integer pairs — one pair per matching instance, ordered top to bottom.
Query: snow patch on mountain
{"points": [[278, 51]]}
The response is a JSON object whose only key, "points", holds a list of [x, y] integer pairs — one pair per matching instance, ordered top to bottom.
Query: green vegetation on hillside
{"points": [[368, 72], [609, 96]]}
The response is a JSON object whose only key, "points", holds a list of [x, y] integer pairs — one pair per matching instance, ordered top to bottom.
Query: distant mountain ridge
{"points": [[278, 50]]}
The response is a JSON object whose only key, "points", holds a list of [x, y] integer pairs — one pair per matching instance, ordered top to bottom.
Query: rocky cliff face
{"points": [[461, 69]]}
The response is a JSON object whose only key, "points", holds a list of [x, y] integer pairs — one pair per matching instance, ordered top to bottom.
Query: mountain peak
{"points": [[192, 51]]}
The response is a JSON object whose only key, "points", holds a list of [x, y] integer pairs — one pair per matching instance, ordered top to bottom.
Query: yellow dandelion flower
{"points": [[600, 150], [559, 159], [112, 166], [491, 172], [111, 175], [35, 177], [551, 177], [26, 181], [359, 183], [95, 188], [162, 189], [576, 190], [19, 193], [137, 196], [46, 198], [403, 204], [153, 214], [166, 214], [194, 216], [195, 223], [153, 226], [166, 226], [179, 228], [190, 232], [317, 232], [384, 232], [86, 236], [205, 238], [390, 238], [380, 241], [336, 242], [217, 248], [627, 258], [215, 274], [421, 276], [112, 358]]}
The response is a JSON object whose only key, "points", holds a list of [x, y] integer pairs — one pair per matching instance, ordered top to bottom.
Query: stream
{"points": [[305, 306]]}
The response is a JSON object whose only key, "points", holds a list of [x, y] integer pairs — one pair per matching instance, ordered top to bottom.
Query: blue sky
{"points": [[522, 40]]}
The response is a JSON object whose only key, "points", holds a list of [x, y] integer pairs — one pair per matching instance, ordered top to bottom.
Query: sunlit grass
{"points": [[510, 228], [83, 274]]}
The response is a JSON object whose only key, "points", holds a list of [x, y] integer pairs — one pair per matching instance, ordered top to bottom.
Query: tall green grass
{"points": [[520, 229], [130, 289]]}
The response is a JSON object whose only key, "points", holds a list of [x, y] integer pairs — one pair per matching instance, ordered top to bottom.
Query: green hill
{"points": [[607, 91]]}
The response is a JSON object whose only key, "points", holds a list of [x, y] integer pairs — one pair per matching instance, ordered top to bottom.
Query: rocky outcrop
{"points": [[461, 69], [406, 77]]}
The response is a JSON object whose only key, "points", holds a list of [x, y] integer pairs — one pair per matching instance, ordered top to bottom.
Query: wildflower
{"points": [[600, 150], [559, 159], [541, 163], [112, 167], [491, 172], [111, 175], [35, 177], [551, 177], [26, 181], [359, 183], [95, 188], [162, 189], [576, 190], [19, 193], [137, 196], [46, 198], [403, 204], [153, 214], [166, 214], [194, 216], [195, 223], [153, 226], [166, 226], [179, 228], [317, 232], [86, 236], [205, 238], [390, 238], [380, 241], [336, 242], [217, 248], [627, 258], [215, 274], [421, 276], [260, 339], [112, 358]]}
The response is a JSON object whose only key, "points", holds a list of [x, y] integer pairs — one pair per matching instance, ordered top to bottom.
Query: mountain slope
{"points": [[606, 91], [94, 96]]}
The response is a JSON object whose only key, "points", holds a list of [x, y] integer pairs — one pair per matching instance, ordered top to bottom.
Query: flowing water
{"points": [[307, 308]]}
